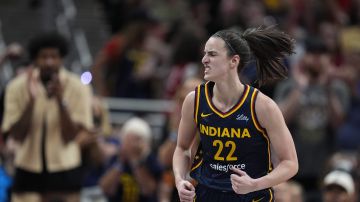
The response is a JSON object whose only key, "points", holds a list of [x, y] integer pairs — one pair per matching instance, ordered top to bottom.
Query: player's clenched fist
{"points": [[186, 191]]}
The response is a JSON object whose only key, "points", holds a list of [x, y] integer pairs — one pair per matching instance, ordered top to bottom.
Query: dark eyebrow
{"points": [[210, 52]]}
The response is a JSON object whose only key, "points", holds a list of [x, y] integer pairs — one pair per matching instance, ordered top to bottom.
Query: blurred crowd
{"points": [[54, 127]]}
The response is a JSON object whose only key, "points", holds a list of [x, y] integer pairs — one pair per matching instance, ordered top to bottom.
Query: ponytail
{"points": [[269, 46]]}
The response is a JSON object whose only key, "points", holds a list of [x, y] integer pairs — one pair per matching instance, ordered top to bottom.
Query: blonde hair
{"points": [[137, 126]]}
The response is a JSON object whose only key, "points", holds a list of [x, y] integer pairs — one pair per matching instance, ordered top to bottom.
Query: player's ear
{"points": [[235, 60]]}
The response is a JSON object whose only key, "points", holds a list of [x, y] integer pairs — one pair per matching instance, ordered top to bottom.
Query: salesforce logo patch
{"points": [[226, 168]]}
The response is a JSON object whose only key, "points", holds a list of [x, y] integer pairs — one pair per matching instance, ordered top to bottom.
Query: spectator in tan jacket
{"points": [[45, 109]]}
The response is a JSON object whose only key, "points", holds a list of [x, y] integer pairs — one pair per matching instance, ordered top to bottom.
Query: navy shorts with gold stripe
{"points": [[206, 194]]}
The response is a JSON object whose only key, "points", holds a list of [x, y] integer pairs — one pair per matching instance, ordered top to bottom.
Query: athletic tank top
{"points": [[228, 139]]}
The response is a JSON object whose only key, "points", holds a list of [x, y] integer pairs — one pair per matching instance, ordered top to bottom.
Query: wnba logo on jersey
{"points": [[226, 168]]}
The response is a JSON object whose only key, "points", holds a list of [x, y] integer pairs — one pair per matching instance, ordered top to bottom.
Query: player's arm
{"points": [[271, 118], [182, 154]]}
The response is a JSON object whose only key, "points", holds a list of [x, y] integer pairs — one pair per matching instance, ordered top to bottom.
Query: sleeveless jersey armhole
{"points": [[196, 103], [253, 112], [260, 128], [198, 156]]}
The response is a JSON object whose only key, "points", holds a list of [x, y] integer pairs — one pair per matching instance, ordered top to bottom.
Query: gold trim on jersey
{"points": [[197, 101], [234, 109], [258, 126], [197, 165], [271, 195]]}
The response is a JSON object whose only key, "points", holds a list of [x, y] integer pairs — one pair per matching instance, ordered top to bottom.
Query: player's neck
{"points": [[227, 93]]}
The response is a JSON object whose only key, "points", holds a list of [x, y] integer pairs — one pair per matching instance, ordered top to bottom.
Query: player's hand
{"points": [[241, 182], [186, 191]]}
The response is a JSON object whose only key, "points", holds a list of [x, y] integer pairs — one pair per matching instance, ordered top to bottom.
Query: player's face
{"points": [[215, 60], [49, 62]]}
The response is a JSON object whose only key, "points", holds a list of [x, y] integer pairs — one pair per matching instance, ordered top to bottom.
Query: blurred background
{"points": [[141, 57]]}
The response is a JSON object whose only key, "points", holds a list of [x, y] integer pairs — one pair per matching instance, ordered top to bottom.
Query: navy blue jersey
{"points": [[229, 139], [214, 195]]}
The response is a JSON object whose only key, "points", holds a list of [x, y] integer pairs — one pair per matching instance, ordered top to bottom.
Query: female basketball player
{"points": [[238, 125]]}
